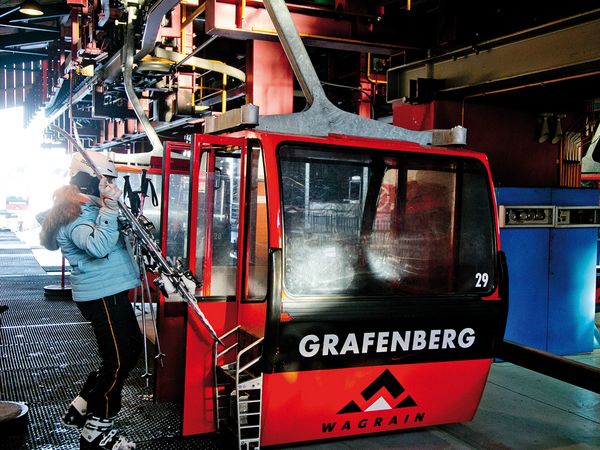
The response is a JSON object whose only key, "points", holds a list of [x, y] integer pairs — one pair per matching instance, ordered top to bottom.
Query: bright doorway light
{"points": [[29, 173]]}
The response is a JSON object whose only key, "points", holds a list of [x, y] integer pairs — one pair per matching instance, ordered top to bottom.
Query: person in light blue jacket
{"points": [[83, 223]]}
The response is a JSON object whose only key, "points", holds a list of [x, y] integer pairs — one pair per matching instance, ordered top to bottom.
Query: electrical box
{"points": [[526, 216], [577, 216]]}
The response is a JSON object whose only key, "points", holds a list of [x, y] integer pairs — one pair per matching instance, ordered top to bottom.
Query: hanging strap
{"points": [[147, 183], [128, 193]]}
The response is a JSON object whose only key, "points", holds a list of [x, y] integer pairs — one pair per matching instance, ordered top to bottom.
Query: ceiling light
{"points": [[31, 8]]}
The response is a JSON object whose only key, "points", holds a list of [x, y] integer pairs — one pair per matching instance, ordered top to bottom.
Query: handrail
{"points": [[230, 332], [227, 350], [239, 356], [250, 364]]}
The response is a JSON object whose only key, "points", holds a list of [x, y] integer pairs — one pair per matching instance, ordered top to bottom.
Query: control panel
{"points": [[526, 216], [577, 216]]}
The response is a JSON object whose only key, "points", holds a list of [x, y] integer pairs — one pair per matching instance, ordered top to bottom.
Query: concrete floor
{"points": [[520, 409]]}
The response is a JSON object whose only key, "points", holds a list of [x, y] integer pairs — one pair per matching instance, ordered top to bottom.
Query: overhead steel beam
{"points": [[44, 18], [30, 27], [318, 31], [15, 40], [573, 49], [23, 52], [85, 90], [85, 115], [165, 126]]}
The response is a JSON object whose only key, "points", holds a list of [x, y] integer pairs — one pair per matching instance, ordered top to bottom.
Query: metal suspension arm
{"points": [[164, 267]]}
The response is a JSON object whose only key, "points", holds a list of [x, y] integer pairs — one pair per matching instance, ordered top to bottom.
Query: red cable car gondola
{"points": [[357, 285]]}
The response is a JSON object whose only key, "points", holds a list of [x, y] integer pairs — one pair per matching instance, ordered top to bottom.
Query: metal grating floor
{"points": [[46, 352]]}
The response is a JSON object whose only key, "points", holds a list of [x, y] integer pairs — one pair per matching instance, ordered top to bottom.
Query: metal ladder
{"points": [[238, 390]]}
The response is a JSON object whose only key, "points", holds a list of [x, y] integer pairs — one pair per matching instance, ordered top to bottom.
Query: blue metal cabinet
{"points": [[527, 253], [552, 274], [572, 275]]}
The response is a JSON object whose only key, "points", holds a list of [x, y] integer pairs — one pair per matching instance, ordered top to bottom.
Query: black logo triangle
{"points": [[385, 380], [390, 383], [406, 403], [350, 408]]}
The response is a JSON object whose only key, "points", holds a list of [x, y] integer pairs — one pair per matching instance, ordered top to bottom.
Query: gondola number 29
{"points": [[481, 279]]}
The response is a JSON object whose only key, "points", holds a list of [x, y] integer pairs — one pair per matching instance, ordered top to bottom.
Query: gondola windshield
{"points": [[373, 223]]}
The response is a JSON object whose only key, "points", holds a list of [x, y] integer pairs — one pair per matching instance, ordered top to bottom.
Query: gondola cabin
{"points": [[357, 285]]}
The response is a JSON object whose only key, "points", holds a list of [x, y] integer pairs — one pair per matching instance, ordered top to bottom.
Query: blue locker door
{"points": [[527, 253], [572, 290]]}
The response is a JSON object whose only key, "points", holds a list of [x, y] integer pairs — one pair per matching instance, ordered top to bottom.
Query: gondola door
{"points": [[216, 229], [173, 237]]}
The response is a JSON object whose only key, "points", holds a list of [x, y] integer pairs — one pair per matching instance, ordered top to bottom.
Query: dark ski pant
{"points": [[119, 344]]}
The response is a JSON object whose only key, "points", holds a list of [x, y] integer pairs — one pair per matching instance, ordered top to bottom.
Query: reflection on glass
{"points": [[151, 212], [218, 216], [177, 220], [376, 223], [258, 249]]}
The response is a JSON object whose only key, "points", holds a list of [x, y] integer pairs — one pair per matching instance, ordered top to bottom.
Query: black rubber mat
{"points": [[15, 258], [20, 265], [27, 305]]}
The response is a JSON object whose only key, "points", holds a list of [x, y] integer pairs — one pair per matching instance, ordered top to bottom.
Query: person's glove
{"points": [[109, 193]]}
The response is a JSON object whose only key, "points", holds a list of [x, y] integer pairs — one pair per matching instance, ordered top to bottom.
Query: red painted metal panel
{"points": [[222, 16], [174, 28], [270, 84], [414, 117], [193, 218], [208, 248], [242, 269], [345, 402], [198, 406]]}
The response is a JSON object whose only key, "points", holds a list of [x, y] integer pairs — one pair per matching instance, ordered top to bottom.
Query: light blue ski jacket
{"points": [[100, 263]]}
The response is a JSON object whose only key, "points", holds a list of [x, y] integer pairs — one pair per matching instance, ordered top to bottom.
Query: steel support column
{"points": [[269, 77]]}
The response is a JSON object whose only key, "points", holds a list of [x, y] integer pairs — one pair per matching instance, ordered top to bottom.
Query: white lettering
{"points": [[466, 337], [368, 339], [434, 339], [419, 340], [382, 341], [403, 341], [448, 341], [386, 342], [329, 343], [350, 345], [313, 347]]}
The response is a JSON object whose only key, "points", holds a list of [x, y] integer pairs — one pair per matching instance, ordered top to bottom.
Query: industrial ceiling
{"points": [[531, 55]]}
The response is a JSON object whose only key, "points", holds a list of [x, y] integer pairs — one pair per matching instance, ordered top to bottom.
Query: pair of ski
{"points": [[169, 279]]}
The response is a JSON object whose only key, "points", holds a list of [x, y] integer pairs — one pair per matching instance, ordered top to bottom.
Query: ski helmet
{"points": [[105, 166]]}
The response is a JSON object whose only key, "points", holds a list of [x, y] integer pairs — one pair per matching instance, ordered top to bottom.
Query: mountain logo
{"points": [[384, 393]]}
